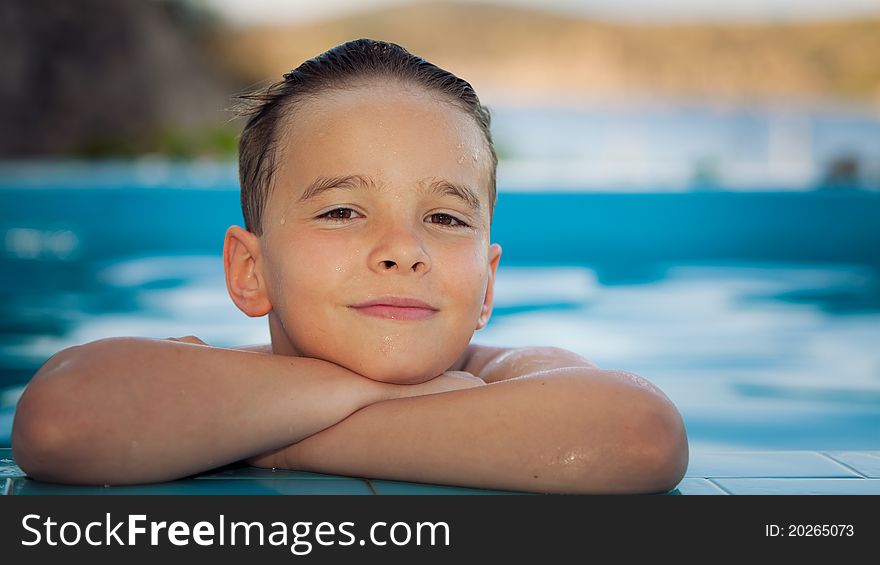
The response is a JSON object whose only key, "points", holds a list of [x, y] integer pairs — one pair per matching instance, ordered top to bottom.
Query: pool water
{"points": [[754, 356]]}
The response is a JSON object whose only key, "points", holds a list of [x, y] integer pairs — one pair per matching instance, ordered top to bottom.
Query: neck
{"points": [[280, 342]]}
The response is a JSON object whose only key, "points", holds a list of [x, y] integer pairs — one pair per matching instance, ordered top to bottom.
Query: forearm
{"points": [[130, 410], [576, 430]]}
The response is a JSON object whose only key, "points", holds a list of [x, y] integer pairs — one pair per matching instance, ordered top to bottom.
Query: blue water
{"points": [[757, 313]]}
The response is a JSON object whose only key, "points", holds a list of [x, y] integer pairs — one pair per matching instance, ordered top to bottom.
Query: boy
{"points": [[368, 184]]}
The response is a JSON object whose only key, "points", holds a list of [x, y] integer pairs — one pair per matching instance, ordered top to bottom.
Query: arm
{"points": [[130, 410], [550, 422]]}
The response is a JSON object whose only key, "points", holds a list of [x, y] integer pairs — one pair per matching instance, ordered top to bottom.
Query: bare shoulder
{"points": [[478, 356], [493, 364]]}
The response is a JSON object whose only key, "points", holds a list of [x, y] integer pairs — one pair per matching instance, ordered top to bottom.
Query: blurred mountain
{"points": [[535, 54], [108, 77], [128, 77]]}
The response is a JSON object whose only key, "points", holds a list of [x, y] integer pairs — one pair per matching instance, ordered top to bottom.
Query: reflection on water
{"points": [[754, 356]]}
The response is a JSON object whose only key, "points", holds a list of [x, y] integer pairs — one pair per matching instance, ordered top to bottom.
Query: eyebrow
{"points": [[437, 186]]}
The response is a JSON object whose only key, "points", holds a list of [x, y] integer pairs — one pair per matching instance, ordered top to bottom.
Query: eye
{"points": [[338, 214], [447, 220]]}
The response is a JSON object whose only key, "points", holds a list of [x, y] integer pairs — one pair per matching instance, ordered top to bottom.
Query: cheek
{"points": [[310, 269], [467, 275]]}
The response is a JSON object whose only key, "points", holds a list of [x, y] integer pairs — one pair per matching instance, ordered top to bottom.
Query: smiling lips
{"points": [[396, 308]]}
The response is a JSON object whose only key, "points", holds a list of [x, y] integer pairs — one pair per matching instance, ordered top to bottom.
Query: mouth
{"points": [[396, 308]]}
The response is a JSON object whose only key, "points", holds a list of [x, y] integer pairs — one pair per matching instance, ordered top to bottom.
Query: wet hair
{"points": [[343, 67]]}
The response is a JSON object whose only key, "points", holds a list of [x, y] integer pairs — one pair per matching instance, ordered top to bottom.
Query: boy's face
{"points": [[322, 255]]}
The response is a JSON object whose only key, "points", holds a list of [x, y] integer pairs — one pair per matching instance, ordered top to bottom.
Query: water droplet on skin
{"points": [[474, 156], [460, 160], [282, 220], [387, 345], [637, 380], [568, 458]]}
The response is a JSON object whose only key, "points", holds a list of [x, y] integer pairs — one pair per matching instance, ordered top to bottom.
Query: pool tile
{"points": [[865, 462], [756, 464], [8, 468], [193, 486], [801, 486], [5, 487], [401, 487], [697, 487]]}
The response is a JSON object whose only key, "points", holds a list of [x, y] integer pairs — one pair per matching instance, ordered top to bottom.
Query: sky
{"points": [[244, 12]]}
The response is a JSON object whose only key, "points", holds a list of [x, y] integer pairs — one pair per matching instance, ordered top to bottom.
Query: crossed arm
{"points": [[132, 410], [547, 420]]}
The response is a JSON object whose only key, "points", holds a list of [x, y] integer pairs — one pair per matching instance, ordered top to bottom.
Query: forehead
{"points": [[397, 135]]}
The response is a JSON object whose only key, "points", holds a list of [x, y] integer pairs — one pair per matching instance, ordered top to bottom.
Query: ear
{"points": [[244, 280], [486, 312]]}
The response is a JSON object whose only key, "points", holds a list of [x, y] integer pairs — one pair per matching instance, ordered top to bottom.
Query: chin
{"points": [[401, 373]]}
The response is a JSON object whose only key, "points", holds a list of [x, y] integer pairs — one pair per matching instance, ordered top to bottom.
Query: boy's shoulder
{"points": [[476, 357], [490, 362]]}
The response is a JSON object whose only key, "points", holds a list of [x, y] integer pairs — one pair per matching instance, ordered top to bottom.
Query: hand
{"points": [[186, 339], [445, 382], [288, 457]]}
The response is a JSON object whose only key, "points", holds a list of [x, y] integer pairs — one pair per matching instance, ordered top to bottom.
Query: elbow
{"points": [[40, 437], [36, 439], [625, 439], [34, 442], [644, 452], [659, 454]]}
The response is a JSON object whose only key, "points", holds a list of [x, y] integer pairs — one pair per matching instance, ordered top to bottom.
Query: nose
{"points": [[399, 249]]}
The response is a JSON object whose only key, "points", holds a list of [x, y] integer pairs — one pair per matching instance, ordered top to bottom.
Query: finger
{"points": [[187, 339], [192, 339]]}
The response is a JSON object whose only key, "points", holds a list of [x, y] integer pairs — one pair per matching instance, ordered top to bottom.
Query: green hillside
{"points": [[539, 53]]}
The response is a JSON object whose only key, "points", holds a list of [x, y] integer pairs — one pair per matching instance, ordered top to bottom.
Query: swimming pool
{"points": [[757, 313]]}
